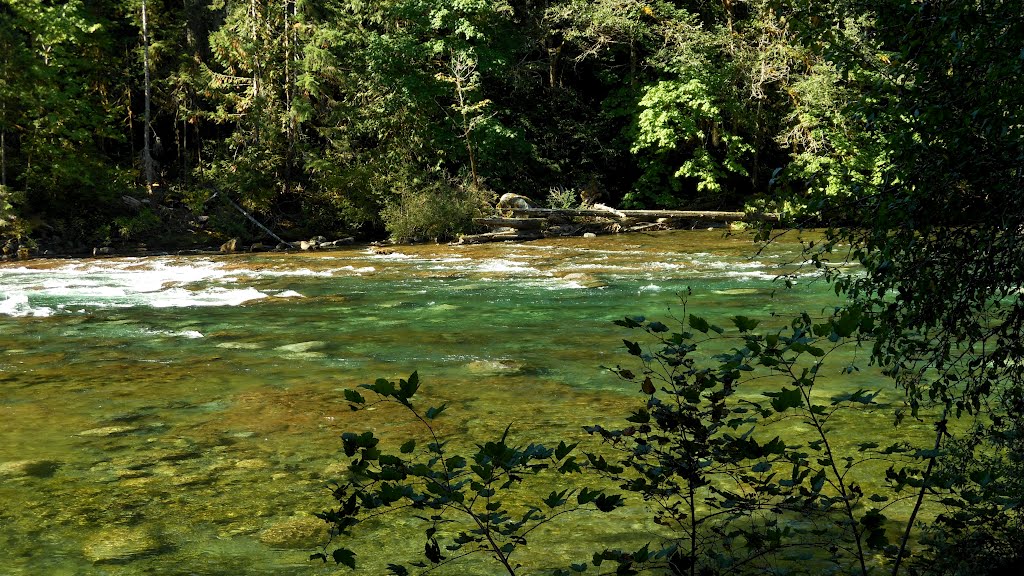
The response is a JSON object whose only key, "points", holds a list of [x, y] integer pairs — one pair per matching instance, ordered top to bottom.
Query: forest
{"points": [[121, 119]]}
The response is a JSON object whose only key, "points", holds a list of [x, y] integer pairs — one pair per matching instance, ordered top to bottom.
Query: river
{"points": [[181, 415]]}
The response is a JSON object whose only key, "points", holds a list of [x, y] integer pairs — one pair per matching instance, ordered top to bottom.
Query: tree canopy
{"points": [[332, 116]]}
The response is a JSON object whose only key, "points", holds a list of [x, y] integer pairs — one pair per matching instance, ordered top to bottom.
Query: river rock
{"points": [[510, 201], [230, 246], [584, 280], [303, 346], [495, 367], [108, 431], [252, 464], [26, 468], [335, 470], [298, 532], [121, 544]]}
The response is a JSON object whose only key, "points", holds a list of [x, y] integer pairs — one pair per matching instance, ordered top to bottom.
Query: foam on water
{"points": [[503, 266], [158, 283], [17, 305], [190, 334]]}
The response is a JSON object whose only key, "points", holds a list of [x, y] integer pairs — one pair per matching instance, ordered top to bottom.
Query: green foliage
{"points": [[307, 111], [563, 198], [928, 203], [433, 211], [9, 221], [138, 226], [697, 451], [710, 461], [466, 503]]}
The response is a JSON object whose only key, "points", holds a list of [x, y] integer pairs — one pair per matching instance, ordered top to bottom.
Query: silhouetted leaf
{"points": [[699, 324], [745, 324], [632, 347], [785, 399], [435, 412], [345, 556]]}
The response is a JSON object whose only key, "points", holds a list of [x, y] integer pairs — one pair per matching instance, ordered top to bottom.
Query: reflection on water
{"points": [[179, 415]]}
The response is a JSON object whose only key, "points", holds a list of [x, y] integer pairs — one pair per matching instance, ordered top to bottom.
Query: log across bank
{"points": [[531, 223]]}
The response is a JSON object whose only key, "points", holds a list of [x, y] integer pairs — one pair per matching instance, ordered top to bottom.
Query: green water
{"points": [[177, 415]]}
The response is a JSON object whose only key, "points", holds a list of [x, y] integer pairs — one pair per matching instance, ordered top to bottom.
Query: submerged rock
{"points": [[584, 280], [303, 346], [503, 367], [108, 431], [252, 464], [29, 468], [298, 532], [121, 544]]}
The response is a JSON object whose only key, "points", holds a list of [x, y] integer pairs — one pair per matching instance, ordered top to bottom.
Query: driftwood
{"points": [[563, 212], [639, 214], [253, 220], [517, 223], [534, 223], [499, 237]]}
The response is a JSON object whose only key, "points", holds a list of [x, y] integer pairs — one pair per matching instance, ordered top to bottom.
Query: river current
{"points": [[181, 415]]}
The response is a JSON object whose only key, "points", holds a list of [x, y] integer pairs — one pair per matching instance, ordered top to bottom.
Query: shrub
{"points": [[433, 211], [463, 501]]}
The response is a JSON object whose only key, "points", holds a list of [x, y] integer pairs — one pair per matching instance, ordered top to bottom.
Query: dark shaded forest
{"points": [[120, 119]]}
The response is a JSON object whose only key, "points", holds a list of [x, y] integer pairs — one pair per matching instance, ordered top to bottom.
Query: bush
{"points": [[562, 198], [434, 211], [702, 451], [463, 501]]}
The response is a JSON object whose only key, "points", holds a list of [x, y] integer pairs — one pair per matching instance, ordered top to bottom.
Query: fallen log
{"points": [[638, 214], [701, 215], [251, 219], [517, 223], [499, 237]]}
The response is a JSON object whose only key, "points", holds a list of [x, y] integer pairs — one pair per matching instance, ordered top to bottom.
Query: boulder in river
{"points": [[510, 201], [230, 246], [303, 346], [28, 468], [296, 533], [120, 544]]}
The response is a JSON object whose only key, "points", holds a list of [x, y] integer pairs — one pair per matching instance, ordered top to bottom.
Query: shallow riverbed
{"points": [[180, 415]]}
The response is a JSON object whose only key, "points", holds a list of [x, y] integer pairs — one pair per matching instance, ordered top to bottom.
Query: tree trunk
{"points": [[289, 127], [147, 156], [3, 158]]}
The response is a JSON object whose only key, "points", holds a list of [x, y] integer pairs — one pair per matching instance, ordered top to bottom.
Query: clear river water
{"points": [[181, 415]]}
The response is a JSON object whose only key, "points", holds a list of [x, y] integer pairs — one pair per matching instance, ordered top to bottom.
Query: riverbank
{"points": [[187, 235]]}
